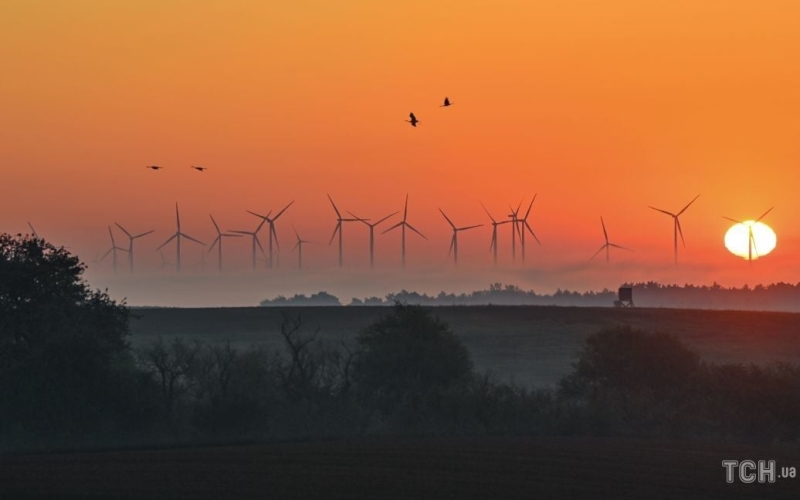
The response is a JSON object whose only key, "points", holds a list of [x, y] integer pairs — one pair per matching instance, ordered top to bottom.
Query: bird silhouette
{"points": [[446, 103], [413, 121], [154, 167], [199, 169]]}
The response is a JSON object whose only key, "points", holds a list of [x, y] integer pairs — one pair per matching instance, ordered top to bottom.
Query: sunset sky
{"points": [[602, 108]]}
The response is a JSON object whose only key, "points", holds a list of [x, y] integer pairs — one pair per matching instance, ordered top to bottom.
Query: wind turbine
{"points": [[403, 224], [676, 225], [525, 226], [338, 228], [514, 230], [272, 233], [35, 234], [372, 235], [177, 237], [131, 238], [454, 239], [218, 241], [256, 241], [751, 243], [493, 244], [608, 244], [299, 247], [112, 250]]}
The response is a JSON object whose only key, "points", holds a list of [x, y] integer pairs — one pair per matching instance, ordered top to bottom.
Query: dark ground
{"points": [[534, 345], [441, 468]]}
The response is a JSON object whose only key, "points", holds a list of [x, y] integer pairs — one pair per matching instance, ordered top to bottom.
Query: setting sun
{"points": [[750, 239]]}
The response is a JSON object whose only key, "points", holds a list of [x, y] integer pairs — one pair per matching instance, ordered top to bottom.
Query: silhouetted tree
{"points": [[63, 350], [407, 356]]}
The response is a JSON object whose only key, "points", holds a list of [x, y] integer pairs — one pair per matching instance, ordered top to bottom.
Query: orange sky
{"points": [[602, 108]]}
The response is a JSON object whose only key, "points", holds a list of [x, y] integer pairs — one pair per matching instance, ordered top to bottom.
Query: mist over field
{"points": [[242, 288]]}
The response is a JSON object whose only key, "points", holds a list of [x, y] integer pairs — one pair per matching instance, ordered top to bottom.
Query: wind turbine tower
{"points": [[403, 224], [676, 225], [338, 228], [272, 233], [372, 235], [177, 237], [131, 239], [454, 239], [218, 242], [607, 244]]}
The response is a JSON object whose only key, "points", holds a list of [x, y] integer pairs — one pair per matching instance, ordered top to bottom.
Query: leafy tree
{"points": [[63, 349], [408, 356]]}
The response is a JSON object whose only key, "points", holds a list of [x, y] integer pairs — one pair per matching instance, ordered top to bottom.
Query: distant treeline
{"points": [[773, 297]]}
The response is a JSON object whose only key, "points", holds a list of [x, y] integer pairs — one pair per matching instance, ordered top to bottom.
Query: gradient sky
{"points": [[602, 108]]}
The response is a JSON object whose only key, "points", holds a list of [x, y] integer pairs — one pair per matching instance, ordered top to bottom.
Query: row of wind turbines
{"points": [[518, 221]]}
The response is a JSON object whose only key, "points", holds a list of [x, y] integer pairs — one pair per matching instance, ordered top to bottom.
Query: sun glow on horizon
{"points": [[738, 240]]}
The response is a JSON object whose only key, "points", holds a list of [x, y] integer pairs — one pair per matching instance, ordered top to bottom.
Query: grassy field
{"points": [[533, 345], [466, 468]]}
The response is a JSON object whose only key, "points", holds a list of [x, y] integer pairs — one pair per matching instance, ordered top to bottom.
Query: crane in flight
{"points": [[446, 103], [413, 120], [154, 167], [199, 169]]}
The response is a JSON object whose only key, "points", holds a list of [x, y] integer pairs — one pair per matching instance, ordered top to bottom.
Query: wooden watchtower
{"points": [[625, 297]]}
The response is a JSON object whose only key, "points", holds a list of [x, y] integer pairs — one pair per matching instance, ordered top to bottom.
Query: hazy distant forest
{"points": [[774, 297], [69, 379]]}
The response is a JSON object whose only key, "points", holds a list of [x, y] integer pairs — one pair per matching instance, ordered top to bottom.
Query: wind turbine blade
{"points": [[688, 204], [530, 206], [334, 207], [284, 209], [405, 209], [662, 211], [487, 212], [390, 215], [764, 215], [177, 217], [263, 217], [358, 218], [448, 219], [732, 220], [263, 221], [215, 224], [393, 227], [469, 227], [528, 227], [337, 228], [412, 228], [123, 230], [680, 231], [295, 232], [110, 233], [251, 233], [605, 233], [143, 234], [274, 234], [35, 235], [228, 235], [192, 239], [216, 240], [753, 241], [258, 242], [165, 243], [296, 245], [620, 247], [598, 252], [106, 254]]}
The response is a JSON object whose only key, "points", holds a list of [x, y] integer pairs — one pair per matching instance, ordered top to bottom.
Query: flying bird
{"points": [[446, 103], [413, 121], [154, 167], [199, 169]]}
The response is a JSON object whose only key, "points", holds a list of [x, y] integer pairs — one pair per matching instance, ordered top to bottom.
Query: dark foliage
{"points": [[64, 361]]}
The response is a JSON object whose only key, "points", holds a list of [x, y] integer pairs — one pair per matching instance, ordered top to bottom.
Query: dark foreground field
{"points": [[535, 345], [480, 468]]}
